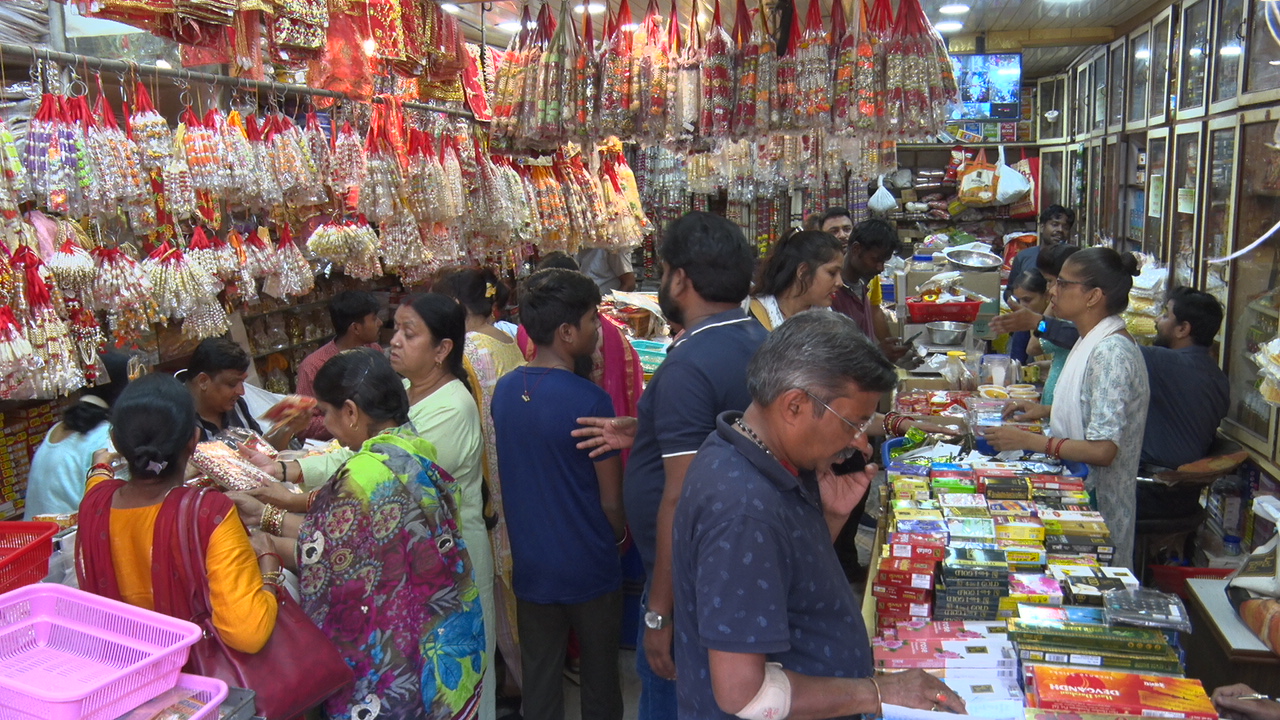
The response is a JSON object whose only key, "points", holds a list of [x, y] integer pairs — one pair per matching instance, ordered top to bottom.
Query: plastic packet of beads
{"points": [[814, 72], [586, 80], [718, 81], [507, 85], [526, 108], [744, 113], [616, 116], [546, 129], [150, 130], [199, 147], [318, 149], [289, 155], [48, 156], [238, 156], [347, 164], [13, 175], [418, 186], [269, 193], [379, 194], [179, 195], [453, 200], [400, 245], [202, 253], [260, 254], [72, 268], [293, 276], [16, 356], [56, 370], [226, 468]]}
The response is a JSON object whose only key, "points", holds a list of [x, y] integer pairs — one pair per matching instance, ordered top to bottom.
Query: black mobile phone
{"points": [[857, 462]]}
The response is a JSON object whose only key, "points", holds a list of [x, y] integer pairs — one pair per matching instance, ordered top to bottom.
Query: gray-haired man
{"points": [[766, 625]]}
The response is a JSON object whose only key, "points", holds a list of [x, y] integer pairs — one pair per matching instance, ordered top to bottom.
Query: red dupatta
{"points": [[95, 568]]}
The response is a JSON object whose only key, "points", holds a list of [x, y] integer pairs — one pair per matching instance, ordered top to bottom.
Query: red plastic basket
{"points": [[923, 312], [25, 548], [1173, 578]]}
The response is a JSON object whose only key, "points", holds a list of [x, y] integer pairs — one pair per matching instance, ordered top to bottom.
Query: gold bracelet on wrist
{"points": [[272, 520], [273, 578]]}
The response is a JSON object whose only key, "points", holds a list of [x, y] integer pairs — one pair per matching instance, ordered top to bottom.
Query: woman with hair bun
{"points": [[1100, 404], [153, 425], [56, 483]]}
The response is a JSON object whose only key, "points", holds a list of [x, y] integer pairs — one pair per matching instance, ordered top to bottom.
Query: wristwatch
{"points": [[1041, 328], [654, 621]]}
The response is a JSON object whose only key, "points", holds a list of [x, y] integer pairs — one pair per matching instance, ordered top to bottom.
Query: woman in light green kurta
{"points": [[427, 351]]}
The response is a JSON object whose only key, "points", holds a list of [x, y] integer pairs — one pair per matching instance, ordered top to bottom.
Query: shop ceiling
{"points": [[1049, 33]]}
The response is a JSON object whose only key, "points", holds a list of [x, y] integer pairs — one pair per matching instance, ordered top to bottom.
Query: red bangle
{"points": [[104, 468], [311, 498], [271, 554]]}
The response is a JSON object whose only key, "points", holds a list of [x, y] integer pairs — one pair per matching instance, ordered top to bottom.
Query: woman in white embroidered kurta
{"points": [[1100, 404]]}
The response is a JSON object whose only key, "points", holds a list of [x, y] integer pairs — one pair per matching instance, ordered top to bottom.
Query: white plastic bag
{"points": [[1011, 185], [882, 202]]}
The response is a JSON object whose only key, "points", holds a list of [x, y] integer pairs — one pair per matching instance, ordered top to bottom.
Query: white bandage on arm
{"points": [[773, 701]]}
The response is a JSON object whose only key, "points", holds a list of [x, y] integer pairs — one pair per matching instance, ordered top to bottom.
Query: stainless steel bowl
{"points": [[974, 261], [946, 333]]}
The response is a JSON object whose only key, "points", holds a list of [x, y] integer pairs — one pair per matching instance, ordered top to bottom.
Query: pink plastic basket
{"points": [[69, 655], [209, 691]]}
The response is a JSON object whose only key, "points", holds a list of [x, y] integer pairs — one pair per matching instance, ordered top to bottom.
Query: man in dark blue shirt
{"points": [[1056, 223], [706, 274], [1190, 396], [563, 508], [766, 625]]}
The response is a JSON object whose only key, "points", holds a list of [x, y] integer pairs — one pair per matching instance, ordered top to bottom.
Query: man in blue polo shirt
{"points": [[706, 274], [766, 625]]}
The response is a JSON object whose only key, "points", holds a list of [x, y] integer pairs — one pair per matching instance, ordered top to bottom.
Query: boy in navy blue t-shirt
{"points": [[563, 509]]}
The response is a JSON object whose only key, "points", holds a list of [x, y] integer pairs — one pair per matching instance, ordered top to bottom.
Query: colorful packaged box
{"points": [[938, 471], [1011, 489], [961, 500], [1011, 508], [960, 511], [1012, 527], [981, 529], [1098, 545], [921, 547], [1022, 554], [1058, 558], [978, 564], [906, 572], [1035, 588], [1087, 589], [900, 593], [904, 608], [1077, 614], [936, 630], [1077, 635], [987, 653], [905, 654], [1167, 662], [1082, 690], [989, 695]]}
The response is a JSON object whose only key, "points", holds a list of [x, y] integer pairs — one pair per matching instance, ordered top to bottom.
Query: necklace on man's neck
{"points": [[527, 395], [751, 435]]}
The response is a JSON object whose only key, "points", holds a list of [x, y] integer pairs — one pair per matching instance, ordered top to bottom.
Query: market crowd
{"points": [[462, 534]]}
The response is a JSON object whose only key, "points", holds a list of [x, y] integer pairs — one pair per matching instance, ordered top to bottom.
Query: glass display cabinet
{"points": [[1228, 54], [1262, 54], [1193, 59], [1139, 77], [1098, 81], [1159, 87], [1116, 107], [1082, 113], [1051, 122], [1051, 168], [1076, 173], [1111, 188], [1133, 189], [1095, 193], [1156, 193], [1220, 196], [1184, 245], [1255, 283]]}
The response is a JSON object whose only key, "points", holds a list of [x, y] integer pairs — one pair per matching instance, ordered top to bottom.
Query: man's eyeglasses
{"points": [[858, 428]]}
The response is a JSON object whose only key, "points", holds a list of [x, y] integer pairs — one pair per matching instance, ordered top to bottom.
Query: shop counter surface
{"points": [[1220, 649]]}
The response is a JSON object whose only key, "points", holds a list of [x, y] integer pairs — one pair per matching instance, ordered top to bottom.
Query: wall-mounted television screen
{"points": [[990, 86]]}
